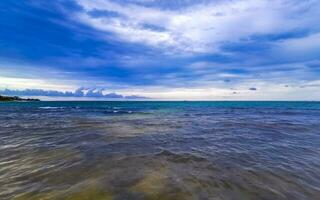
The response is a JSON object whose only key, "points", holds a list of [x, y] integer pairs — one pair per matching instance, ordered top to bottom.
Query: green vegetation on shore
{"points": [[15, 98]]}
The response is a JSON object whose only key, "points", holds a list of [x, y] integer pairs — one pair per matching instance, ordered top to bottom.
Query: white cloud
{"points": [[200, 28], [31, 83], [265, 91]]}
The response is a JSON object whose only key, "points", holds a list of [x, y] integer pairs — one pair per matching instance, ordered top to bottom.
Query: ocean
{"points": [[159, 150]]}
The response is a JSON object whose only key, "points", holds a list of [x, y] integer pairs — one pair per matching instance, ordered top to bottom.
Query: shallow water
{"points": [[160, 150]]}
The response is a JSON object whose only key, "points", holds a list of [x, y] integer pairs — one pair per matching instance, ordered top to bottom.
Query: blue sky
{"points": [[161, 49]]}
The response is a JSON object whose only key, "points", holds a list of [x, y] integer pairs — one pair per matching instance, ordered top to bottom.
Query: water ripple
{"points": [[160, 150]]}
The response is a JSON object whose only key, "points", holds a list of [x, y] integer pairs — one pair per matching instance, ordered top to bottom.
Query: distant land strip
{"points": [[15, 98]]}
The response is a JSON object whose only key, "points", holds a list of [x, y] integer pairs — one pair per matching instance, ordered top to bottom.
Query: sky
{"points": [[161, 49]]}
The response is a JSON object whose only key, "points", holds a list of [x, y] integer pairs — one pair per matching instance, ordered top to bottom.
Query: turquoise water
{"points": [[160, 150]]}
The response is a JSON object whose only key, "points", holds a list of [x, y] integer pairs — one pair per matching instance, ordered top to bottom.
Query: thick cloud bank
{"points": [[80, 92]]}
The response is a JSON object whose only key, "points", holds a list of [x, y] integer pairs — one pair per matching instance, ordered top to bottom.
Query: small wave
{"points": [[50, 107], [118, 112]]}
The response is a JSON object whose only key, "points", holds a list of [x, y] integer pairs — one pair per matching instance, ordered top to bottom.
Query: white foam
{"points": [[50, 107]]}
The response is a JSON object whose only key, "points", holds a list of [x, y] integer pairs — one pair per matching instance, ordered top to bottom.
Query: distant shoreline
{"points": [[15, 98]]}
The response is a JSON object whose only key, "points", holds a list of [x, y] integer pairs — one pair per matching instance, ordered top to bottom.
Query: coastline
{"points": [[15, 99]]}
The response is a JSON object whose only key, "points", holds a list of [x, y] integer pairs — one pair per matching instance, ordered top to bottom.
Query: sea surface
{"points": [[159, 150]]}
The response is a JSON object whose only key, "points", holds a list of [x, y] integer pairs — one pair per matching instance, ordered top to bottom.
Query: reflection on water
{"points": [[165, 151]]}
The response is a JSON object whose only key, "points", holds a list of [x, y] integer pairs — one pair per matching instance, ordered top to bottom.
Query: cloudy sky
{"points": [[161, 49]]}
